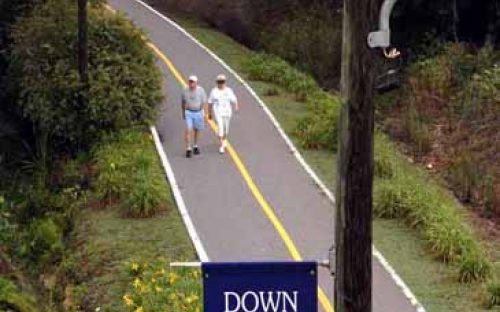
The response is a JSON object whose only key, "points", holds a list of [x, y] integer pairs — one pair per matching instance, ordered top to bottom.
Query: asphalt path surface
{"points": [[226, 215]]}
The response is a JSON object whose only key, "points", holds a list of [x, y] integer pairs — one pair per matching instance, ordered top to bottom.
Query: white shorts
{"points": [[223, 124]]}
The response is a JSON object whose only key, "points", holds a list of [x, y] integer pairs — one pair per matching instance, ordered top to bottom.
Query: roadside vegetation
{"points": [[82, 192], [406, 196]]}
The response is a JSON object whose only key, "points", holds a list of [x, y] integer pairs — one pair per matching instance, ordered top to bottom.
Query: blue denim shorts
{"points": [[195, 120]]}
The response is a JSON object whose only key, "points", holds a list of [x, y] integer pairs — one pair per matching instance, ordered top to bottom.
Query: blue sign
{"points": [[260, 287]]}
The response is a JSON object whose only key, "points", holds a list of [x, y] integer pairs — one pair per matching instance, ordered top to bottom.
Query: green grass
{"points": [[129, 173], [106, 241], [112, 242], [434, 283]]}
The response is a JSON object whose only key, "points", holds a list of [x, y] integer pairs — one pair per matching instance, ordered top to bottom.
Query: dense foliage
{"points": [[44, 84], [448, 114], [318, 129], [130, 175]]}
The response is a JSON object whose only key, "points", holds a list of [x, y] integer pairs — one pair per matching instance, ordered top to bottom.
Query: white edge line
{"points": [[181, 205], [397, 279]]}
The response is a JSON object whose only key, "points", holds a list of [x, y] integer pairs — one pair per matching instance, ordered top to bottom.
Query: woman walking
{"points": [[221, 100]]}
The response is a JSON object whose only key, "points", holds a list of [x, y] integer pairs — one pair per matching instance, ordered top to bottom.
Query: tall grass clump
{"points": [[270, 68], [316, 130], [130, 175], [405, 192], [493, 291], [12, 299]]}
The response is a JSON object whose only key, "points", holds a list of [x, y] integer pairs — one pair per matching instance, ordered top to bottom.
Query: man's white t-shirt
{"points": [[222, 99]]}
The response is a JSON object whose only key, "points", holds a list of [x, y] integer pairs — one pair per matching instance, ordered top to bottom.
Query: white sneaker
{"points": [[221, 149]]}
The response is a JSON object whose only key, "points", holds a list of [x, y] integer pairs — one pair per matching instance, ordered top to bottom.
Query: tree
{"points": [[82, 42]]}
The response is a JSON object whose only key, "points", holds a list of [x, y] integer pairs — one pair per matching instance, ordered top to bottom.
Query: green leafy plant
{"points": [[309, 38], [266, 67], [124, 83], [129, 174], [409, 195], [43, 241], [493, 290], [11, 299]]}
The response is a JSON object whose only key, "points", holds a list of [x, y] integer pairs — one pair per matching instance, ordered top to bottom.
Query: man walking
{"points": [[221, 100], [194, 104]]}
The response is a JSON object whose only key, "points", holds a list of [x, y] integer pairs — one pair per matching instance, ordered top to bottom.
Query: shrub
{"points": [[310, 38], [269, 68], [124, 84], [480, 96], [319, 128], [417, 131], [385, 157], [129, 174], [408, 194], [7, 228], [43, 241], [474, 266], [154, 288], [493, 289], [11, 299]]}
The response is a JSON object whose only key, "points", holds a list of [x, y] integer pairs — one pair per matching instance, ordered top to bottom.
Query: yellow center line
{"points": [[266, 207], [268, 211]]}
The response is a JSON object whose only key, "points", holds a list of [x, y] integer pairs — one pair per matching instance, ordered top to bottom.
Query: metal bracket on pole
{"points": [[382, 37], [332, 260]]}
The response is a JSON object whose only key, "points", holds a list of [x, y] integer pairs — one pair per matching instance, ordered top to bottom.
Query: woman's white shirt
{"points": [[222, 99]]}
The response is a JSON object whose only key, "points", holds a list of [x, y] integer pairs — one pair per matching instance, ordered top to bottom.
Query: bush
{"points": [[309, 38], [269, 68], [124, 84], [319, 128], [385, 157], [129, 174], [408, 194], [7, 228], [43, 241], [153, 288], [493, 289], [13, 300]]}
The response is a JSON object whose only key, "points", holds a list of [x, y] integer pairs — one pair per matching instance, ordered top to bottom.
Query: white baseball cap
{"points": [[193, 78], [221, 78]]}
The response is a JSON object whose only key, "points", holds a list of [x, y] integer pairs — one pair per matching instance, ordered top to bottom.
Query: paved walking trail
{"points": [[223, 202]]}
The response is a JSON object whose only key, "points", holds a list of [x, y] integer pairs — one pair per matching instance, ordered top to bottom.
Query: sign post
{"points": [[260, 287]]}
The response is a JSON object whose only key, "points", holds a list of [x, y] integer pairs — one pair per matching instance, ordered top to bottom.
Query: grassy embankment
{"points": [[412, 253]]}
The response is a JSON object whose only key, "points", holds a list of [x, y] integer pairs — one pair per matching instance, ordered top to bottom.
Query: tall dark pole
{"points": [[82, 42], [353, 239]]}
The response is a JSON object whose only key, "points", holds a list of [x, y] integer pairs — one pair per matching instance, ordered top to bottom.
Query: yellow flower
{"points": [[135, 267], [172, 278], [153, 280], [136, 283], [143, 289], [158, 289], [172, 297], [191, 298], [127, 300], [139, 309]]}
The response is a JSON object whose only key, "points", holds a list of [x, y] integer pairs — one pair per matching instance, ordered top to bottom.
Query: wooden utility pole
{"points": [[82, 42], [353, 239]]}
